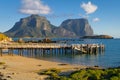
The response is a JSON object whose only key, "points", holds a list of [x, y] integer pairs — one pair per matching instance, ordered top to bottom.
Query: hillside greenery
{"points": [[2, 37], [85, 74]]}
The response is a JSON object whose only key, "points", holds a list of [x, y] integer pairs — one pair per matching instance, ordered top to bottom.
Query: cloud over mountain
{"points": [[34, 7], [89, 7], [96, 19]]}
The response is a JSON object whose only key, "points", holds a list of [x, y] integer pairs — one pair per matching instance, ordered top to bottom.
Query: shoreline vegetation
{"points": [[23, 68], [83, 74]]}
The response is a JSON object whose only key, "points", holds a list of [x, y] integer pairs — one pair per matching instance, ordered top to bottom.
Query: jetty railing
{"points": [[39, 48]]}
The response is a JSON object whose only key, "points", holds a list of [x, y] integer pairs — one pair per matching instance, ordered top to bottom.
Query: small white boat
{"points": [[79, 50]]}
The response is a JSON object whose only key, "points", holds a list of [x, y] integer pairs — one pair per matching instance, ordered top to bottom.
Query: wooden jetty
{"points": [[34, 49]]}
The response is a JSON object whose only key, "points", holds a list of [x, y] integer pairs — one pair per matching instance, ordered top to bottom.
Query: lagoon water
{"points": [[109, 58]]}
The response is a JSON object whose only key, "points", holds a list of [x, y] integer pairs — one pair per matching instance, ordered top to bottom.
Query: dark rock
{"points": [[80, 27], [8, 76]]}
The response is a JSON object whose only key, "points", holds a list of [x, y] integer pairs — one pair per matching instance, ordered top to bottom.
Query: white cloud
{"points": [[34, 7], [89, 7], [96, 19]]}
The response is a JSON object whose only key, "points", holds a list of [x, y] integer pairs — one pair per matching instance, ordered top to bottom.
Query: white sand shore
{"points": [[22, 68]]}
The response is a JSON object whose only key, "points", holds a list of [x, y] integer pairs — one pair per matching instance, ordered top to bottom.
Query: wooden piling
{"points": [[0, 52]]}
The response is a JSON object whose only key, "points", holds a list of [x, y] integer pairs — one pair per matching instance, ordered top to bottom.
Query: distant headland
{"points": [[98, 37]]}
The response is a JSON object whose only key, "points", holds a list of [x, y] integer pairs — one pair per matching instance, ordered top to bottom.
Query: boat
{"points": [[79, 50]]}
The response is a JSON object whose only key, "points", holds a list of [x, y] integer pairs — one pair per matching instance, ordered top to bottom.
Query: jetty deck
{"points": [[42, 48]]}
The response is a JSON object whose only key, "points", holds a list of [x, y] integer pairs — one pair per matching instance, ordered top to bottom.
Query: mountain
{"points": [[32, 26], [39, 26], [80, 27], [61, 32], [98, 37]]}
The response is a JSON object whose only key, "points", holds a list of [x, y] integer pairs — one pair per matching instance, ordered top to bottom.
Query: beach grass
{"points": [[53, 73], [85, 74]]}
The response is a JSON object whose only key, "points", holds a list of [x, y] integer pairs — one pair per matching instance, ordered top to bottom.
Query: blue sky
{"points": [[103, 15]]}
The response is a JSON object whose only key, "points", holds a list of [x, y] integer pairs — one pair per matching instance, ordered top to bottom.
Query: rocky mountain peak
{"points": [[35, 21], [32, 26], [39, 26], [80, 27]]}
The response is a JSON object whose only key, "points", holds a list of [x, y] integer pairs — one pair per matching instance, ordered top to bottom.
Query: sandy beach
{"points": [[23, 68]]}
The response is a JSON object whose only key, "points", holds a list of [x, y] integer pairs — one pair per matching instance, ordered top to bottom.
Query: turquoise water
{"points": [[109, 58]]}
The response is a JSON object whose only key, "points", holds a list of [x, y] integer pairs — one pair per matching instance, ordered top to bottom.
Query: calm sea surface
{"points": [[109, 58]]}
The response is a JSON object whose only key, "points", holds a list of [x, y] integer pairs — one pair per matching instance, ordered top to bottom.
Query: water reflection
{"points": [[68, 57], [109, 58]]}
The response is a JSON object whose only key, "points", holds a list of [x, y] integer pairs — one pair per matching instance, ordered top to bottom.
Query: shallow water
{"points": [[109, 58]]}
